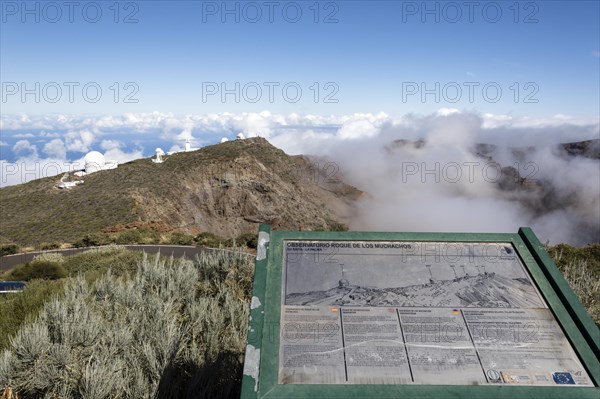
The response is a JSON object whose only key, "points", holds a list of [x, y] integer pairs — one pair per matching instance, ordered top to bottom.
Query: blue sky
{"points": [[368, 57], [338, 79]]}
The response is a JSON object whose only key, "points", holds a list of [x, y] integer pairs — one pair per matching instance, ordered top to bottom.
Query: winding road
{"points": [[178, 251]]}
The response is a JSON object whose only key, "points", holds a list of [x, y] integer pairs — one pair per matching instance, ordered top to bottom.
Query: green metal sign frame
{"points": [[260, 379]]}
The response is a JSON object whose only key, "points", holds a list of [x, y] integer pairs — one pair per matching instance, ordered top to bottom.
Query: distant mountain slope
{"points": [[588, 148], [225, 189], [482, 290]]}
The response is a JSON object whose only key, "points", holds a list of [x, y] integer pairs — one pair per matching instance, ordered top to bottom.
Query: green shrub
{"points": [[335, 226], [149, 236], [128, 237], [181, 239], [250, 239], [93, 240], [210, 240], [243, 240], [45, 246], [8, 249], [107, 249], [564, 254], [53, 257], [95, 262], [91, 264], [40, 269], [581, 269], [585, 284], [16, 309], [175, 329]]}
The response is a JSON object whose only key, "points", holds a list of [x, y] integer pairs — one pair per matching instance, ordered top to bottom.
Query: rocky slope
{"points": [[226, 189]]}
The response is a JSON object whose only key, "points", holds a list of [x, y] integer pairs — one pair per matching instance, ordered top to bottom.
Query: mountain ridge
{"points": [[226, 189]]}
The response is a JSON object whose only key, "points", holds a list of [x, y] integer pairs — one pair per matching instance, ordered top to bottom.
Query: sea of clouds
{"points": [[439, 185]]}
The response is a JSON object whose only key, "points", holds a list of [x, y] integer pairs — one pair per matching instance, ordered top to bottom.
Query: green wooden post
{"points": [[564, 292], [250, 378]]}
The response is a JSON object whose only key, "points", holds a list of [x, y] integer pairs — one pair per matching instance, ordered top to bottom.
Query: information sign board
{"points": [[379, 314]]}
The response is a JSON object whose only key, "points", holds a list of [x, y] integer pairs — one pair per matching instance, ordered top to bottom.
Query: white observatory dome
{"points": [[241, 136], [224, 140], [159, 154], [94, 161]]}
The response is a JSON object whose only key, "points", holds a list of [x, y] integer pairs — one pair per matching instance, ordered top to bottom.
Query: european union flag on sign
{"points": [[563, 378]]}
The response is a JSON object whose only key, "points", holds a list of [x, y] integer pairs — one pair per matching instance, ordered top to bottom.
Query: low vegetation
{"points": [[147, 236], [210, 240], [248, 240], [8, 249], [564, 255], [43, 267], [581, 268], [38, 269], [17, 309], [174, 328]]}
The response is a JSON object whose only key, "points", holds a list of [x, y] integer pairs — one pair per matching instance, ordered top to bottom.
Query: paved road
{"points": [[178, 251]]}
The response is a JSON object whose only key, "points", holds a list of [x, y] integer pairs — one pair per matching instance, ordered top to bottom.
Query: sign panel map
{"points": [[395, 312]]}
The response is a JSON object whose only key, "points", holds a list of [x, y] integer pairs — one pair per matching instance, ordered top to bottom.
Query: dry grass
{"points": [[581, 269]]}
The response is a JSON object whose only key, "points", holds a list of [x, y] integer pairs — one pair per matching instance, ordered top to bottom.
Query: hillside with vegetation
{"points": [[225, 189], [581, 268], [145, 327]]}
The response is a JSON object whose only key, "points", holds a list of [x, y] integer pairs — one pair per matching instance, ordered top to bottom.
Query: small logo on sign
{"points": [[494, 376], [563, 378]]}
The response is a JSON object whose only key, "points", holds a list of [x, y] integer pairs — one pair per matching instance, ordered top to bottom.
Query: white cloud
{"points": [[447, 111], [509, 121], [357, 129], [84, 131], [43, 133], [79, 141], [3, 144], [111, 144], [24, 149], [55, 149], [115, 154]]}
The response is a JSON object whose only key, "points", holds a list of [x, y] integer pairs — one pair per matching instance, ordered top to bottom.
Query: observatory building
{"points": [[239, 136], [187, 148], [159, 156], [95, 162], [67, 185]]}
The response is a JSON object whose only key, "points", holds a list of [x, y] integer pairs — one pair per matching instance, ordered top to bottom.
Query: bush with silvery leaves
{"points": [[175, 329]]}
